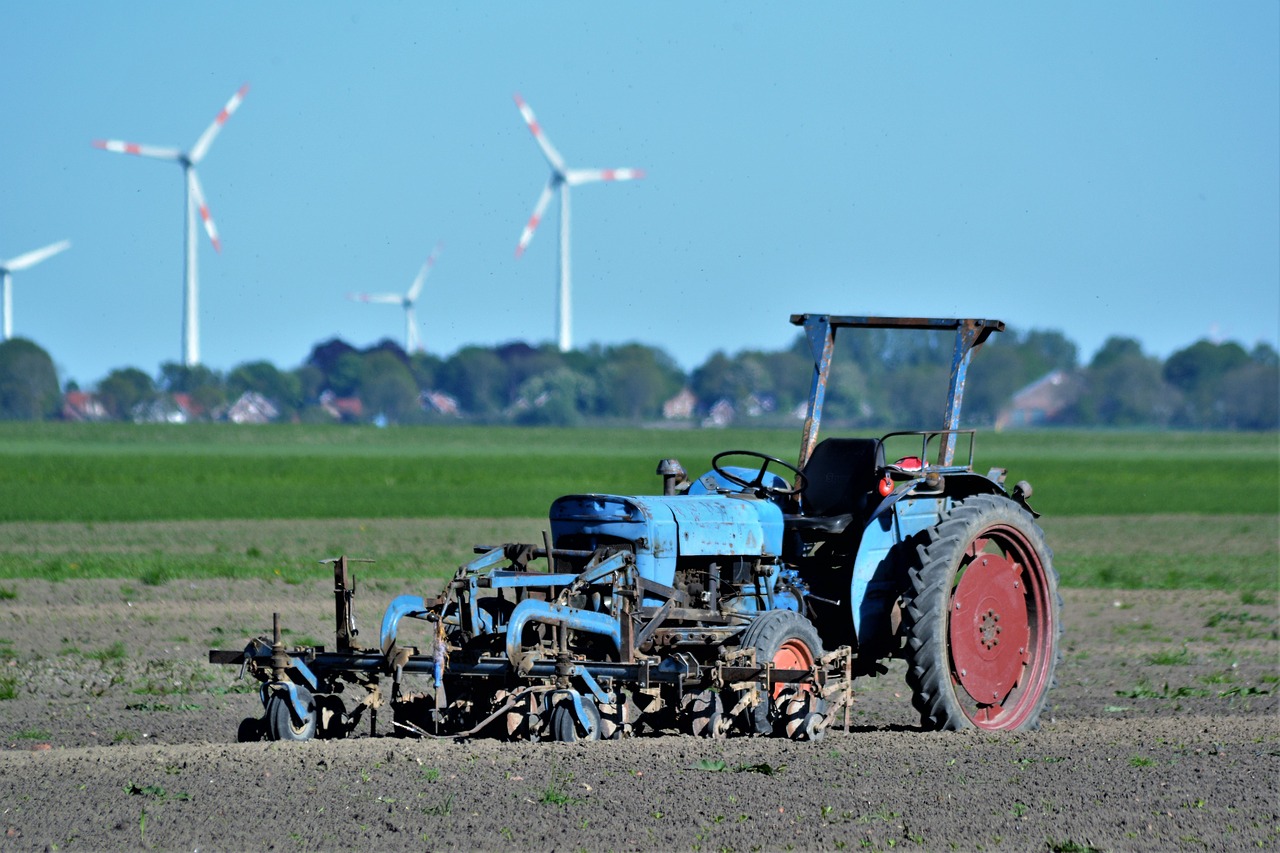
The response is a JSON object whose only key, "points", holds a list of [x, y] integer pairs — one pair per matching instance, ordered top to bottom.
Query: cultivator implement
{"points": [[509, 651]]}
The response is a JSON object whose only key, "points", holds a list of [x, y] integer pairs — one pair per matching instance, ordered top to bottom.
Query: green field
{"points": [[1121, 508]]}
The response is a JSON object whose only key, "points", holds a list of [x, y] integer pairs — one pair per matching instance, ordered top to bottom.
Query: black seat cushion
{"points": [[840, 481]]}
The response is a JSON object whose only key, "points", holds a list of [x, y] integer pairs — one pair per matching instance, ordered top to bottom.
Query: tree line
{"points": [[882, 379]]}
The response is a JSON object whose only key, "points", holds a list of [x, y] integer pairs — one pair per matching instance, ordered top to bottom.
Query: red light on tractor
{"points": [[886, 486]]}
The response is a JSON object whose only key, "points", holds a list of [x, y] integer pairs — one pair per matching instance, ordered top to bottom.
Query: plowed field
{"points": [[115, 732]]}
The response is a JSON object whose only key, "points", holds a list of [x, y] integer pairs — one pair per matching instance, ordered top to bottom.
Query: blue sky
{"points": [[1097, 168]]}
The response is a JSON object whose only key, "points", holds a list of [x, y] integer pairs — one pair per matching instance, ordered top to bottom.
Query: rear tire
{"points": [[983, 619]]}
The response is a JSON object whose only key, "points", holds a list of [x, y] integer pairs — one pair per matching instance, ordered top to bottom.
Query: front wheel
{"points": [[982, 619], [788, 641]]}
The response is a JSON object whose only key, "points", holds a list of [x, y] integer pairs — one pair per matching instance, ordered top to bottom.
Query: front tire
{"points": [[983, 619], [788, 641]]}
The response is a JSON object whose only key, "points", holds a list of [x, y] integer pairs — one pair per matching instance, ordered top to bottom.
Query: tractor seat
{"points": [[841, 479]]}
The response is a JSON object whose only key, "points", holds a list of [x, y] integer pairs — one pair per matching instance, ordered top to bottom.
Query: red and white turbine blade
{"points": [[206, 138], [140, 150], [548, 150], [573, 177], [197, 196], [527, 234], [30, 259], [416, 288], [385, 298]]}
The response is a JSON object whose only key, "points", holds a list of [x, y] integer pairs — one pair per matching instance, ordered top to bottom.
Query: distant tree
{"points": [[1116, 349], [1048, 350], [1264, 354], [325, 356], [522, 362], [1008, 362], [424, 368], [997, 371], [1198, 372], [790, 373], [346, 375], [720, 377], [477, 379], [634, 381], [28, 382], [311, 383], [204, 386], [387, 387], [1123, 387], [283, 389], [123, 390], [918, 395], [1247, 397], [557, 398]]}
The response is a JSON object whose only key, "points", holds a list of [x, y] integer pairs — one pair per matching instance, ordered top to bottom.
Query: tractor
{"points": [[746, 600]]}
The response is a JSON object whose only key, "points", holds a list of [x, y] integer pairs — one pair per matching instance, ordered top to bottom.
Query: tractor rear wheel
{"points": [[982, 619], [788, 641]]}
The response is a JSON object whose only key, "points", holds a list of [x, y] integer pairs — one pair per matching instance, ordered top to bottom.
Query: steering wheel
{"points": [[757, 485]]}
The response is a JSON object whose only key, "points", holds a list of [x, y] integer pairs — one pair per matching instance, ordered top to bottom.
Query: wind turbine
{"points": [[562, 178], [195, 203], [22, 262], [411, 342]]}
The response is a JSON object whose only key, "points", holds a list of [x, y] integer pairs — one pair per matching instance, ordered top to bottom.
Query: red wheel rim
{"points": [[1001, 630], [792, 654]]}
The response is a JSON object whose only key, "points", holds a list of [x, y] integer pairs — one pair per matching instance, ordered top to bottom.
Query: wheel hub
{"points": [[990, 630]]}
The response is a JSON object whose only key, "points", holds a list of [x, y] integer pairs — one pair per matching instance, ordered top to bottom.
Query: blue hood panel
{"points": [[664, 528]]}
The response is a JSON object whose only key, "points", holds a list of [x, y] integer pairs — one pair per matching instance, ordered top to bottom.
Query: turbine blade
{"points": [[206, 139], [140, 150], [548, 150], [574, 177], [202, 208], [527, 234], [30, 259], [416, 288], [385, 298], [412, 342]]}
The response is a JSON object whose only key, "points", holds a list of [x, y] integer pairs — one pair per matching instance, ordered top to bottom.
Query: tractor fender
{"points": [[878, 577]]}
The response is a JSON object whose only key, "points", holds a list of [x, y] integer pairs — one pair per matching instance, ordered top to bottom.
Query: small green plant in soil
{"points": [[33, 734]]}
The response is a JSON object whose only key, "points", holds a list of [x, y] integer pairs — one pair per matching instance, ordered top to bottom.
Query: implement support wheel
{"points": [[982, 619], [280, 721], [568, 726]]}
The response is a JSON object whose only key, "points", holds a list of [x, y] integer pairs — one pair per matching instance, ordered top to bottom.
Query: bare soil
{"points": [[117, 734]]}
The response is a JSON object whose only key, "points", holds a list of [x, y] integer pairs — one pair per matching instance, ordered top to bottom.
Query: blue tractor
{"points": [[746, 600]]}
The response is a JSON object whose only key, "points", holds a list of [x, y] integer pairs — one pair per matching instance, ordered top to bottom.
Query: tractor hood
{"points": [[662, 528]]}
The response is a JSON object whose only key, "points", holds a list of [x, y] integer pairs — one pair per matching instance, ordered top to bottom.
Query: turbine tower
{"points": [[562, 178], [194, 204], [22, 262], [412, 343]]}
